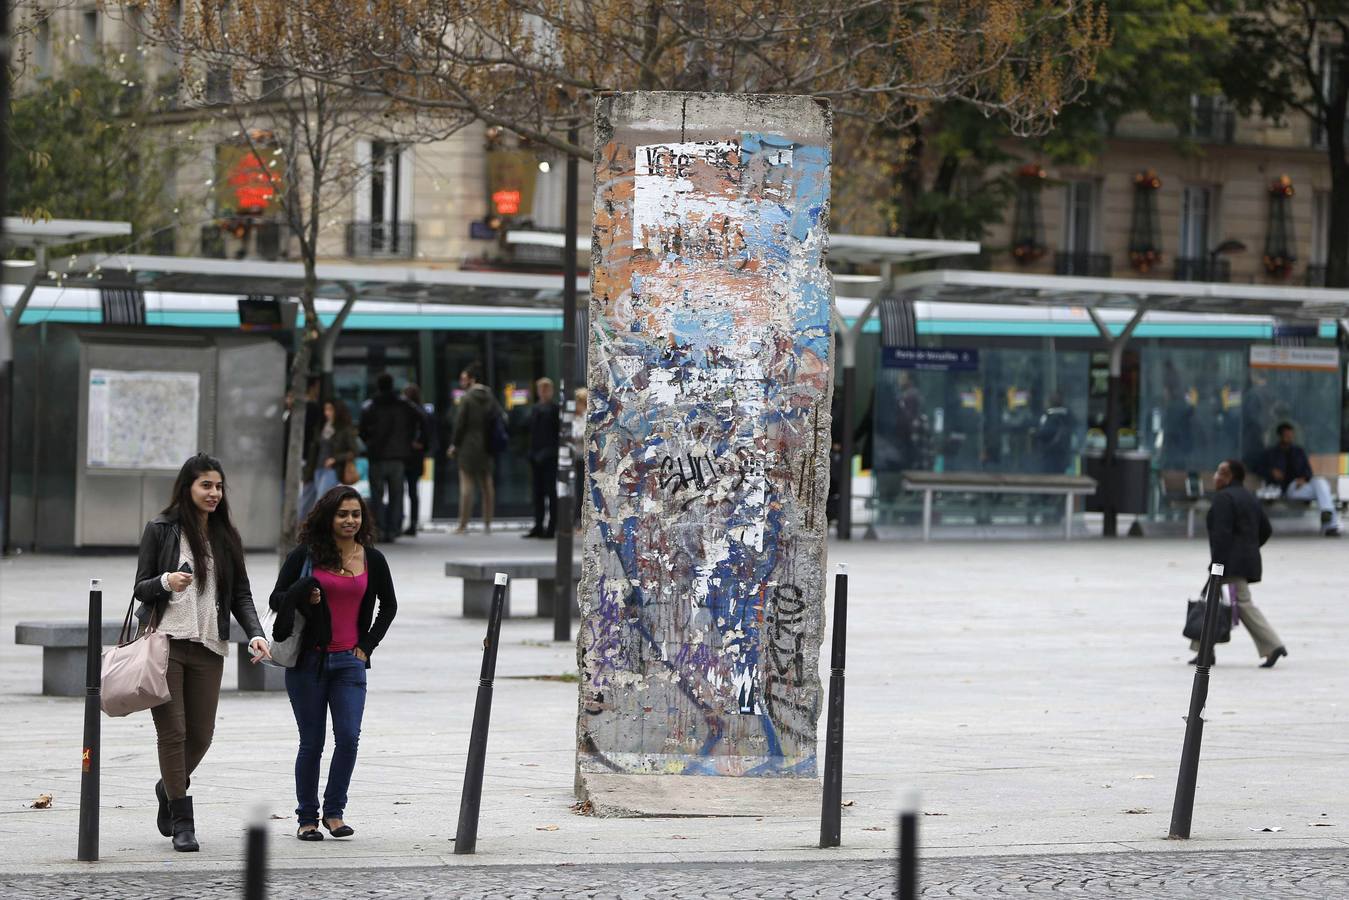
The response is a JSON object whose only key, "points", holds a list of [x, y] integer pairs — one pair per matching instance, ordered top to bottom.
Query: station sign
{"points": [[930, 359], [1300, 359]]}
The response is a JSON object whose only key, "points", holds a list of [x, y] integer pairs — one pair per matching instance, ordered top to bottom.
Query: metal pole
{"points": [[846, 448], [1110, 507], [564, 510], [89, 761], [470, 799], [1182, 811], [831, 825], [908, 849], [255, 862]]}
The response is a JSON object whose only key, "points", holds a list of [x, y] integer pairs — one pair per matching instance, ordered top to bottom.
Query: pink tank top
{"points": [[344, 597]]}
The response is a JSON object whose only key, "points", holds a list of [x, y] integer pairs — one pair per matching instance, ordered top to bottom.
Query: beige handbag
{"points": [[135, 672]]}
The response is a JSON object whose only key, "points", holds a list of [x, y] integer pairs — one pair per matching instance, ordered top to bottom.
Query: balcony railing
{"points": [[397, 240], [1092, 265], [1202, 268], [1316, 275]]}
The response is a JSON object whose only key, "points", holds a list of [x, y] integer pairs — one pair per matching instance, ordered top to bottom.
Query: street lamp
{"points": [[1231, 245]]}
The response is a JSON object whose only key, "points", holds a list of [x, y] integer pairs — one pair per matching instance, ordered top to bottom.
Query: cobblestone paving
{"points": [[1228, 875]]}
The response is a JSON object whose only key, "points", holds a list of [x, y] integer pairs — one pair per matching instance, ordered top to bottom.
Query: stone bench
{"points": [[929, 483], [479, 575], [64, 656]]}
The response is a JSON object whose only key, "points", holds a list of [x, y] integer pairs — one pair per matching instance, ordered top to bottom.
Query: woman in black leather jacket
{"points": [[189, 578]]}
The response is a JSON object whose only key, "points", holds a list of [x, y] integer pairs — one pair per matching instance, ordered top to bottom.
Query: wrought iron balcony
{"points": [[396, 240], [1092, 265], [1202, 268]]}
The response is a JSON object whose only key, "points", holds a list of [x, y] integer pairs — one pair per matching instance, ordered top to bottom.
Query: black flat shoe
{"points": [[1273, 657], [343, 830], [309, 834]]}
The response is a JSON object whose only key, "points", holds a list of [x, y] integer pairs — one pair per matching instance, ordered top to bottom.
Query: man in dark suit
{"points": [[544, 421], [1237, 529]]}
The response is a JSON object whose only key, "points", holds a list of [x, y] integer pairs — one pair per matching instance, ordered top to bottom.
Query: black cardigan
{"points": [[160, 549], [292, 591]]}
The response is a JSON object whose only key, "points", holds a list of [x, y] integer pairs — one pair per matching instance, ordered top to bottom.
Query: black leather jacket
{"points": [[160, 549]]}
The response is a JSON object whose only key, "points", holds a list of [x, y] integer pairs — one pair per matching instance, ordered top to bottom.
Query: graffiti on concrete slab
{"points": [[708, 436]]}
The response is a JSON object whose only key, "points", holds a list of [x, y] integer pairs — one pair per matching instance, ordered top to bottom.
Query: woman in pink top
{"points": [[335, 578]]}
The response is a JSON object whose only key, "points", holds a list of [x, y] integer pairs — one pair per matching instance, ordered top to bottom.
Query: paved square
{"points": [[1032, 691]]}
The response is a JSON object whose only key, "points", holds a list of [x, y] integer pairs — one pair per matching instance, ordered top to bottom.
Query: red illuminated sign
{"points": [[507, 203]]}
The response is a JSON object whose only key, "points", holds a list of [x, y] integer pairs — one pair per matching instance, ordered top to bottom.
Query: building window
{"points": [[89, 37], [42, 56], [1330, 64], [219, 85], [1212, 121], [1081, 221], [1196, 221], [383, 223], [1028, 228], [1145, 237], [1280, 248], [1320, 249], [1194, 259]]}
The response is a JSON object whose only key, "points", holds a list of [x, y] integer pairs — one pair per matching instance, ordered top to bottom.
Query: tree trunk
{"points": [[310, 341], [290, 491]]}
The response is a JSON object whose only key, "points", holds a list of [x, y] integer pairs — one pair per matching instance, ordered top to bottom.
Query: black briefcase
{"points": [[1194, 619]]}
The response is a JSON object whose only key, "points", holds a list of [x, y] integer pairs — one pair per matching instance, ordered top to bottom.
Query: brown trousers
{"points": [[467, 485], [1266, 640], [186, 723]]}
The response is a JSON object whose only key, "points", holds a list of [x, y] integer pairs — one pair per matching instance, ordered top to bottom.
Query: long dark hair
{"points": [[341, 415], [316, 534], [227, 550]]}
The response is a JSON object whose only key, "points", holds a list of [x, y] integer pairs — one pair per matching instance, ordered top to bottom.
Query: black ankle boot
{"points": [[163, 820], [184, 828]]}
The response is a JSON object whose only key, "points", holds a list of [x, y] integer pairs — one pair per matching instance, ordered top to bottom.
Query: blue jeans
{"points": [[320, 682]]}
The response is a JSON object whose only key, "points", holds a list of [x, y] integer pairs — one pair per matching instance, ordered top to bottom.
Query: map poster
{"points": [[142, 420]]}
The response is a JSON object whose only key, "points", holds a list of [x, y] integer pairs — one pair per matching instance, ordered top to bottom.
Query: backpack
{"points": [[497, 435]]}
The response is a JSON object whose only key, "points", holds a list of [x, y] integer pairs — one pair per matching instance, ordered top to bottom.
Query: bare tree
{"points": [[534, 66], [299, 133]]}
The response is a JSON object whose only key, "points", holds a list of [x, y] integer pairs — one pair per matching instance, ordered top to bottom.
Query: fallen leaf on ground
{"points": [[1143, 777], [43, 801], [402, 803], [847, 803], [583, 808], [1138, 811], [934, 814], [275, 816], [1320, 824], [546, 828], [873, 828], [1267, 828], [678, 837]]}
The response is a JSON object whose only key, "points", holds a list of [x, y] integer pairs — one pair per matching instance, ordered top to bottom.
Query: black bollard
{"points": [[89, 761], [470, 800], [1182, 811], [831, 825], [908, 849], [255, 862]]}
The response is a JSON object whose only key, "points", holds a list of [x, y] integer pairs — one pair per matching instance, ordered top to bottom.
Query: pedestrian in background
{"points": [[581, 399], [544, 419], [474, 420], [389, 424], [423, 445], [334, 446], [1237, 529], [190, 577], [336, 580]]}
